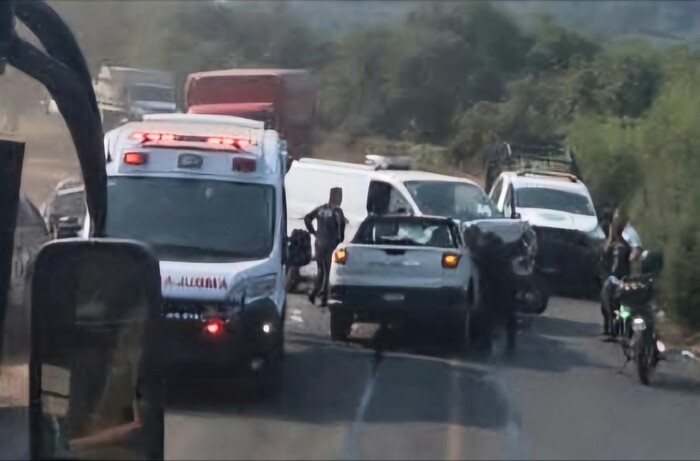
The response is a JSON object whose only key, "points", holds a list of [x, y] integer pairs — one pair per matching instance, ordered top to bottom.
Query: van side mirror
{"points": [[96, 386]]}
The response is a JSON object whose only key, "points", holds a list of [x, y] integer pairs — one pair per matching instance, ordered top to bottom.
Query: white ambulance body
{"points": [[207, 193]]}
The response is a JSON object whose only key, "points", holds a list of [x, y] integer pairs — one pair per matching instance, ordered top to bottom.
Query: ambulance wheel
{"points": [[267, 380]]}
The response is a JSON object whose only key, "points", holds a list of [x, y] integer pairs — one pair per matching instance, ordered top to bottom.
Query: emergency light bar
{"points": [[229, 143]]}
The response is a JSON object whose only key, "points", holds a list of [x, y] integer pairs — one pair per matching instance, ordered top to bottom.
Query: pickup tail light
{"points": [[135, 158], [340, 256], [450, 260]]}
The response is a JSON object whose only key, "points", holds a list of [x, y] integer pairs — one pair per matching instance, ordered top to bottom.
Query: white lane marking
{"points": [[296, 316], [351, 449], [454, 450]]}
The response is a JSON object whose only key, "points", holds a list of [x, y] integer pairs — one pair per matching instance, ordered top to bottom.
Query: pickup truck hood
{"points": [[558, 219], [508, 230], [207, 281]]}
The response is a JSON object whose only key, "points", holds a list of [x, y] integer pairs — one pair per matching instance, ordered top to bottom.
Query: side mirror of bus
{"points": [[96, 387]]}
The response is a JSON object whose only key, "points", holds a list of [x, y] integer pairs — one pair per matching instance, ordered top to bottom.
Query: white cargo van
{"points": [[382, 185]]}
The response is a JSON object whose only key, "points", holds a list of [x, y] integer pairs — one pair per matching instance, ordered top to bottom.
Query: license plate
{"points": [[393, 297]]}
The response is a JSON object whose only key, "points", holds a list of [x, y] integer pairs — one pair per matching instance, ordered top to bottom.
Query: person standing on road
{"points": [[329, 232]]}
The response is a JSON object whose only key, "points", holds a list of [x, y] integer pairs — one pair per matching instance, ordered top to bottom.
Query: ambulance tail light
{"points": [[228, 142], [135, 158], [244, 165], [214, 327]]}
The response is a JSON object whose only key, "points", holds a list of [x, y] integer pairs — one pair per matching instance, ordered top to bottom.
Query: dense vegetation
{"points": [[454, 76]]}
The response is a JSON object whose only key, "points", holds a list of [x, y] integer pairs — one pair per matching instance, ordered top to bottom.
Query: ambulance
{"points": [[206, 192]]}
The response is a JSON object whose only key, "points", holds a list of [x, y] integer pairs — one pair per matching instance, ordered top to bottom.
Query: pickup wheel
{"points": [[542, 295], [341, 324], [461, 329]]}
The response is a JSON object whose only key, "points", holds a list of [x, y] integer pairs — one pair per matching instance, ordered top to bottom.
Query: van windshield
{"points": [[457, 200], [193, 220]]}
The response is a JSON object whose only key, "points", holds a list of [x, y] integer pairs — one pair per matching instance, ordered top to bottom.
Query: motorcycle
{"points": [[635, 317]]}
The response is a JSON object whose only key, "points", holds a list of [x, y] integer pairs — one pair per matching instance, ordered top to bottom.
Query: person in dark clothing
{"points": [[329, 232], [617, 256], [494, 259]]}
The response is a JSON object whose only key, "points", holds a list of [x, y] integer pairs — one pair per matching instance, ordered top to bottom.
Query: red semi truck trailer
{"points": [[283, 98]]}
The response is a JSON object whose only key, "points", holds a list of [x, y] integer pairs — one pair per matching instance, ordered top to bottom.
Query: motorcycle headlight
{"points": [[596, 234], [255, 288], [638, 324]]}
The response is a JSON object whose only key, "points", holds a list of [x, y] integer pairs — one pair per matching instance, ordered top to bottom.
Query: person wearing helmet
{"points": [[329, 232]]}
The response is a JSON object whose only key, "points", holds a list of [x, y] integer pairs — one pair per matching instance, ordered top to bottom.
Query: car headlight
{"points": [[597, 233], [530, 242], [524, 263], [254, 288]]}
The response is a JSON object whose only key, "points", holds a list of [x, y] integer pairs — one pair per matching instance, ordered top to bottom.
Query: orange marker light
{"points": [[340, 256], [450, 260]]}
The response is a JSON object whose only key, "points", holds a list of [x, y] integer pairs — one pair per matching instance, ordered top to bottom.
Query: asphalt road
{"points": [[564, 395]]}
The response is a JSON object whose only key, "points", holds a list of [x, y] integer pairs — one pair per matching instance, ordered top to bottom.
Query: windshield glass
{"points": [[152, 93], [553, 199], [456, 200], [193, 220], [406, 231]]}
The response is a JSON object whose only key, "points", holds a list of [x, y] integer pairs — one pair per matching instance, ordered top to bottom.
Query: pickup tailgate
{"points": [[391, 266]]}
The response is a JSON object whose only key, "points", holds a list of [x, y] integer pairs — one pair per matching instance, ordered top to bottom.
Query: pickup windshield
{"points": [[554, 199], [458, 200], [193, 220], [407, 231]]}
